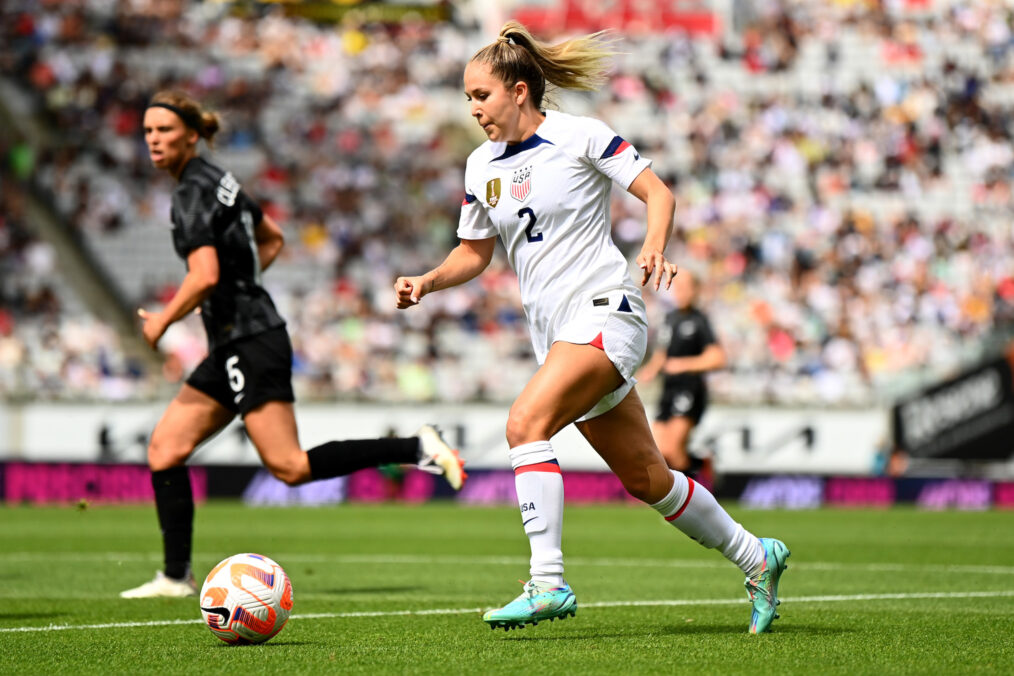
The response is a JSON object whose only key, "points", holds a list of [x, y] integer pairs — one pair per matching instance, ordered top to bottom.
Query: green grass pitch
{"points": [[398, 588]]}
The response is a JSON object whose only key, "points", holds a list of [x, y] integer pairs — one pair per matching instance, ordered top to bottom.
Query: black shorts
{"points": [[248, 372], [685, 402]]}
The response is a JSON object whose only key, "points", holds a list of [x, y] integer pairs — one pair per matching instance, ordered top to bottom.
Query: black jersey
{"points": [[210, 209], [686, 334]]}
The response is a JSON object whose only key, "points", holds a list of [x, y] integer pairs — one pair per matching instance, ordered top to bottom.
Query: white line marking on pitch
{"points": [[397, 559], [599, 604]]}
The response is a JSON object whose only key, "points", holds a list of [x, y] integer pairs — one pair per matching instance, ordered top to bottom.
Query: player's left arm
{"points": [[661, 204], [269, 239], [200, 280], [711, 359]]}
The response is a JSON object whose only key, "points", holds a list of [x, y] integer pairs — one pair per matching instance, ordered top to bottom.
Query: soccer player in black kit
{"points": [[227, 241], [687, 349]]}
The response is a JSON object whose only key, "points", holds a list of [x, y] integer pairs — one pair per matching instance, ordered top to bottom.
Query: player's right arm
{"points": [[193, 210], [476, 234], [465, 262], [199, 282]]}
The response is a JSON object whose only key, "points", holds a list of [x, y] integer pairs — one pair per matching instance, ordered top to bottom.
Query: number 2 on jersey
{"points": [[530, 230]]}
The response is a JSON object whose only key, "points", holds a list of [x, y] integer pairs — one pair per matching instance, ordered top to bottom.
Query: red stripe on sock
{"points": [[551, 467], [690, 494]]}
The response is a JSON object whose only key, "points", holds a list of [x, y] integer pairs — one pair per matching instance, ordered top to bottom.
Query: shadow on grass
{"points": [[369, 590], [29, 616], [692, 628], [688, 629], [810, 630], [263, 646]]}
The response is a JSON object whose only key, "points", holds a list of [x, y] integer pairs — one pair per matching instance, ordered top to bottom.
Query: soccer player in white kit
{"points": [[542, 184]]}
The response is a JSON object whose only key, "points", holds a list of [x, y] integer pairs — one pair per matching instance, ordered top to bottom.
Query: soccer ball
{"points": [[246, 598]]}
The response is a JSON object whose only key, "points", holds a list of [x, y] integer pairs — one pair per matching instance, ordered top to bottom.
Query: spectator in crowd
{"points": [[856, 210]]}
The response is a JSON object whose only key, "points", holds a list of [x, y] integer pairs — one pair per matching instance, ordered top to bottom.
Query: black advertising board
{"points": [[970, 417]]}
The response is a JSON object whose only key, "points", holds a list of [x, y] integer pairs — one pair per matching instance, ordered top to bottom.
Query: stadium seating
{"points": [[850, 219]]}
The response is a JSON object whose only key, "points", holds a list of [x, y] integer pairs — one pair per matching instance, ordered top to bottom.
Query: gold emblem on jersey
{"points": [[493, 192]]}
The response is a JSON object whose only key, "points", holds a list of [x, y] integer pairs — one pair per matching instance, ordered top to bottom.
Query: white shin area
{"points": [[539, 486], [692, 508]]}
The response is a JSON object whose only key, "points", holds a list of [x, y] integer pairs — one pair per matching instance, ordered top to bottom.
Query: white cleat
{"points": [[436, 457], [163, 587]]}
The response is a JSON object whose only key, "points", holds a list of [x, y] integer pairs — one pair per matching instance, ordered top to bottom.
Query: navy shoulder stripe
{"points": [[615, 147]]}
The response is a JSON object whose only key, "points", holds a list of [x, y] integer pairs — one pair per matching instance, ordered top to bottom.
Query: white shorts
{"points": [[619, 315]]}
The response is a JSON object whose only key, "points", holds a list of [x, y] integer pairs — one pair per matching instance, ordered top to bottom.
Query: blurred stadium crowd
{"points": [[842, 171]]}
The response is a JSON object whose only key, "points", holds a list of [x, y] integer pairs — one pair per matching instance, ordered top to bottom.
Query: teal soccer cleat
{"points": [[763, 587], [539, 601]]}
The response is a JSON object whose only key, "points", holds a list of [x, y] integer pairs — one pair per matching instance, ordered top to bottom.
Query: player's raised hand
{"points": [[654, 262], [410, 290]]}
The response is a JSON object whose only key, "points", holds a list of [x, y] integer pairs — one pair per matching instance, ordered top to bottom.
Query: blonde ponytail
{"points": [[580, 63]]}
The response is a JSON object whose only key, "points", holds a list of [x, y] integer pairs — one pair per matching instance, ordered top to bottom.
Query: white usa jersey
{"points": [[548, 199]]}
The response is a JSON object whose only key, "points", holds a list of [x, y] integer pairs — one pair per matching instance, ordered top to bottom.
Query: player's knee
{"points": [[523, 426], [163, 453], [289, 471], [286, 475], [637, 483], [650, 483]]}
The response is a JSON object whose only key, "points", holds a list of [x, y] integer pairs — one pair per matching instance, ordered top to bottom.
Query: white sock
{"points": [[539, 485], [693, 509]]}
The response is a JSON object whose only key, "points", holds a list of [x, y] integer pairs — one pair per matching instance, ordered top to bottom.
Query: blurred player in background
{"points": [[542, 184], [227, 241], [686, 350]]}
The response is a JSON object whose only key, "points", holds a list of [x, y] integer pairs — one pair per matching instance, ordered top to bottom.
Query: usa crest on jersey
{"points": [[521, 184]]}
